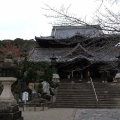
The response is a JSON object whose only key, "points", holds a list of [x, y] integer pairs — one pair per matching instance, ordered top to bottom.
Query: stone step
{"points": [[75, 86], [111, 90], [76, 93], [108, 93], [70, 95], [75, 96], [82, 96], [107, 96], [68, 99], [80, 100], [77, 104], [87, 105], [60, 106]]}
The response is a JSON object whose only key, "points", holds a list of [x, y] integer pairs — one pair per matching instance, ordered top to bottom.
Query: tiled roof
{"points": [[69, 31], [108, 53], [44, 54], [63, 54], [70, 54]]}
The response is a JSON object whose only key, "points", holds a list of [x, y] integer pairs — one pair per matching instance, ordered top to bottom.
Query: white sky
{"points": [[25, 19]]}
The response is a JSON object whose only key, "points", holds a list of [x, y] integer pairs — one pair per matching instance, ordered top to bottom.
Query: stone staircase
{"points": [[76, 95], [81, 95], [108, 95]]}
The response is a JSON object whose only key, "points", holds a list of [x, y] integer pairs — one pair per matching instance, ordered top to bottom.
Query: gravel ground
{"points": [[49, 114], [71, 114]]}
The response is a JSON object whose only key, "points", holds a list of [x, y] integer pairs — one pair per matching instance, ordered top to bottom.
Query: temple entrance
{"points": [[76, 70], [82, 70], [102, 72], [95, 73]]}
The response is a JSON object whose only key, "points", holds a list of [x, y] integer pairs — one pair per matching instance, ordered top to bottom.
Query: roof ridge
{"points": [[85, 50], [30, 53]]}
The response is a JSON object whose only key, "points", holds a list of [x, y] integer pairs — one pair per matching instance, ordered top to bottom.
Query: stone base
{"points": [[8, 108], [10, 113], [11, 116]]}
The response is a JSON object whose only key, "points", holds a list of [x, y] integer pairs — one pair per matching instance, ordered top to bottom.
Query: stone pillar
{"points": [[7, 95], [9, 109]]}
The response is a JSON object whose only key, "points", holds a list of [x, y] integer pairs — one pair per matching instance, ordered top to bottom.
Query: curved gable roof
{"points": [[63, 54]]}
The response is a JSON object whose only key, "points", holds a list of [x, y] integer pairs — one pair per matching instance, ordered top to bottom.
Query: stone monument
{"points": [[9, 109]]}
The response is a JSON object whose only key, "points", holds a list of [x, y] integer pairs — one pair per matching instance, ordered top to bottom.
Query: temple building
{"points": [[80, 51]]}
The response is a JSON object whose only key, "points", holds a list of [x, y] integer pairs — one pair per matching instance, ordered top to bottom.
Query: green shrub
{"points": [[40, 88]]}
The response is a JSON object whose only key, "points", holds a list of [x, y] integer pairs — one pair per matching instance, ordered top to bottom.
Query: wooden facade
{"points": [[78, 56]]}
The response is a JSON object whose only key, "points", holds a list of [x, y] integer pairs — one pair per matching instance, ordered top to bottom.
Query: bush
{"points": [[40, 89], [51, 92], [46, 96]]}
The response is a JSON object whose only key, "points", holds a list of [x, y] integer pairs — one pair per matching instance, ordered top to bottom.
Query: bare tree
{"points": [[112, 2], [108, 15], [63, 17], [109, 22]]}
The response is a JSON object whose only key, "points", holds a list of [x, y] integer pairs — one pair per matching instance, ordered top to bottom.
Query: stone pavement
{"points": [[49, 114], [72, 114], [97, 114]]}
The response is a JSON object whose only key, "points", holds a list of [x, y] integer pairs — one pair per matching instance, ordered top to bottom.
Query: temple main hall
{"points": [[81, 52]]}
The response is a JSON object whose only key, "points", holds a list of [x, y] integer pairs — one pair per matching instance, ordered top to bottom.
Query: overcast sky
{"points": [[25, 19]]}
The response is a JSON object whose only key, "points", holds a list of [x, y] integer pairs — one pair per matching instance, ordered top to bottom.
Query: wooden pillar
{"points": [[88, 73], [72, 74], [68, 76], [81, 76]]}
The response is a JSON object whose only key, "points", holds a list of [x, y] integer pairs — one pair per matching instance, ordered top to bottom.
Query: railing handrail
{"points": [[94, 89]]}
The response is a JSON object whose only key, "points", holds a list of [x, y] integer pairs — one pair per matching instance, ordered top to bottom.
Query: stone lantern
{"points": [[53, 60], [7, 67], [56, 78], [9, 109]]}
